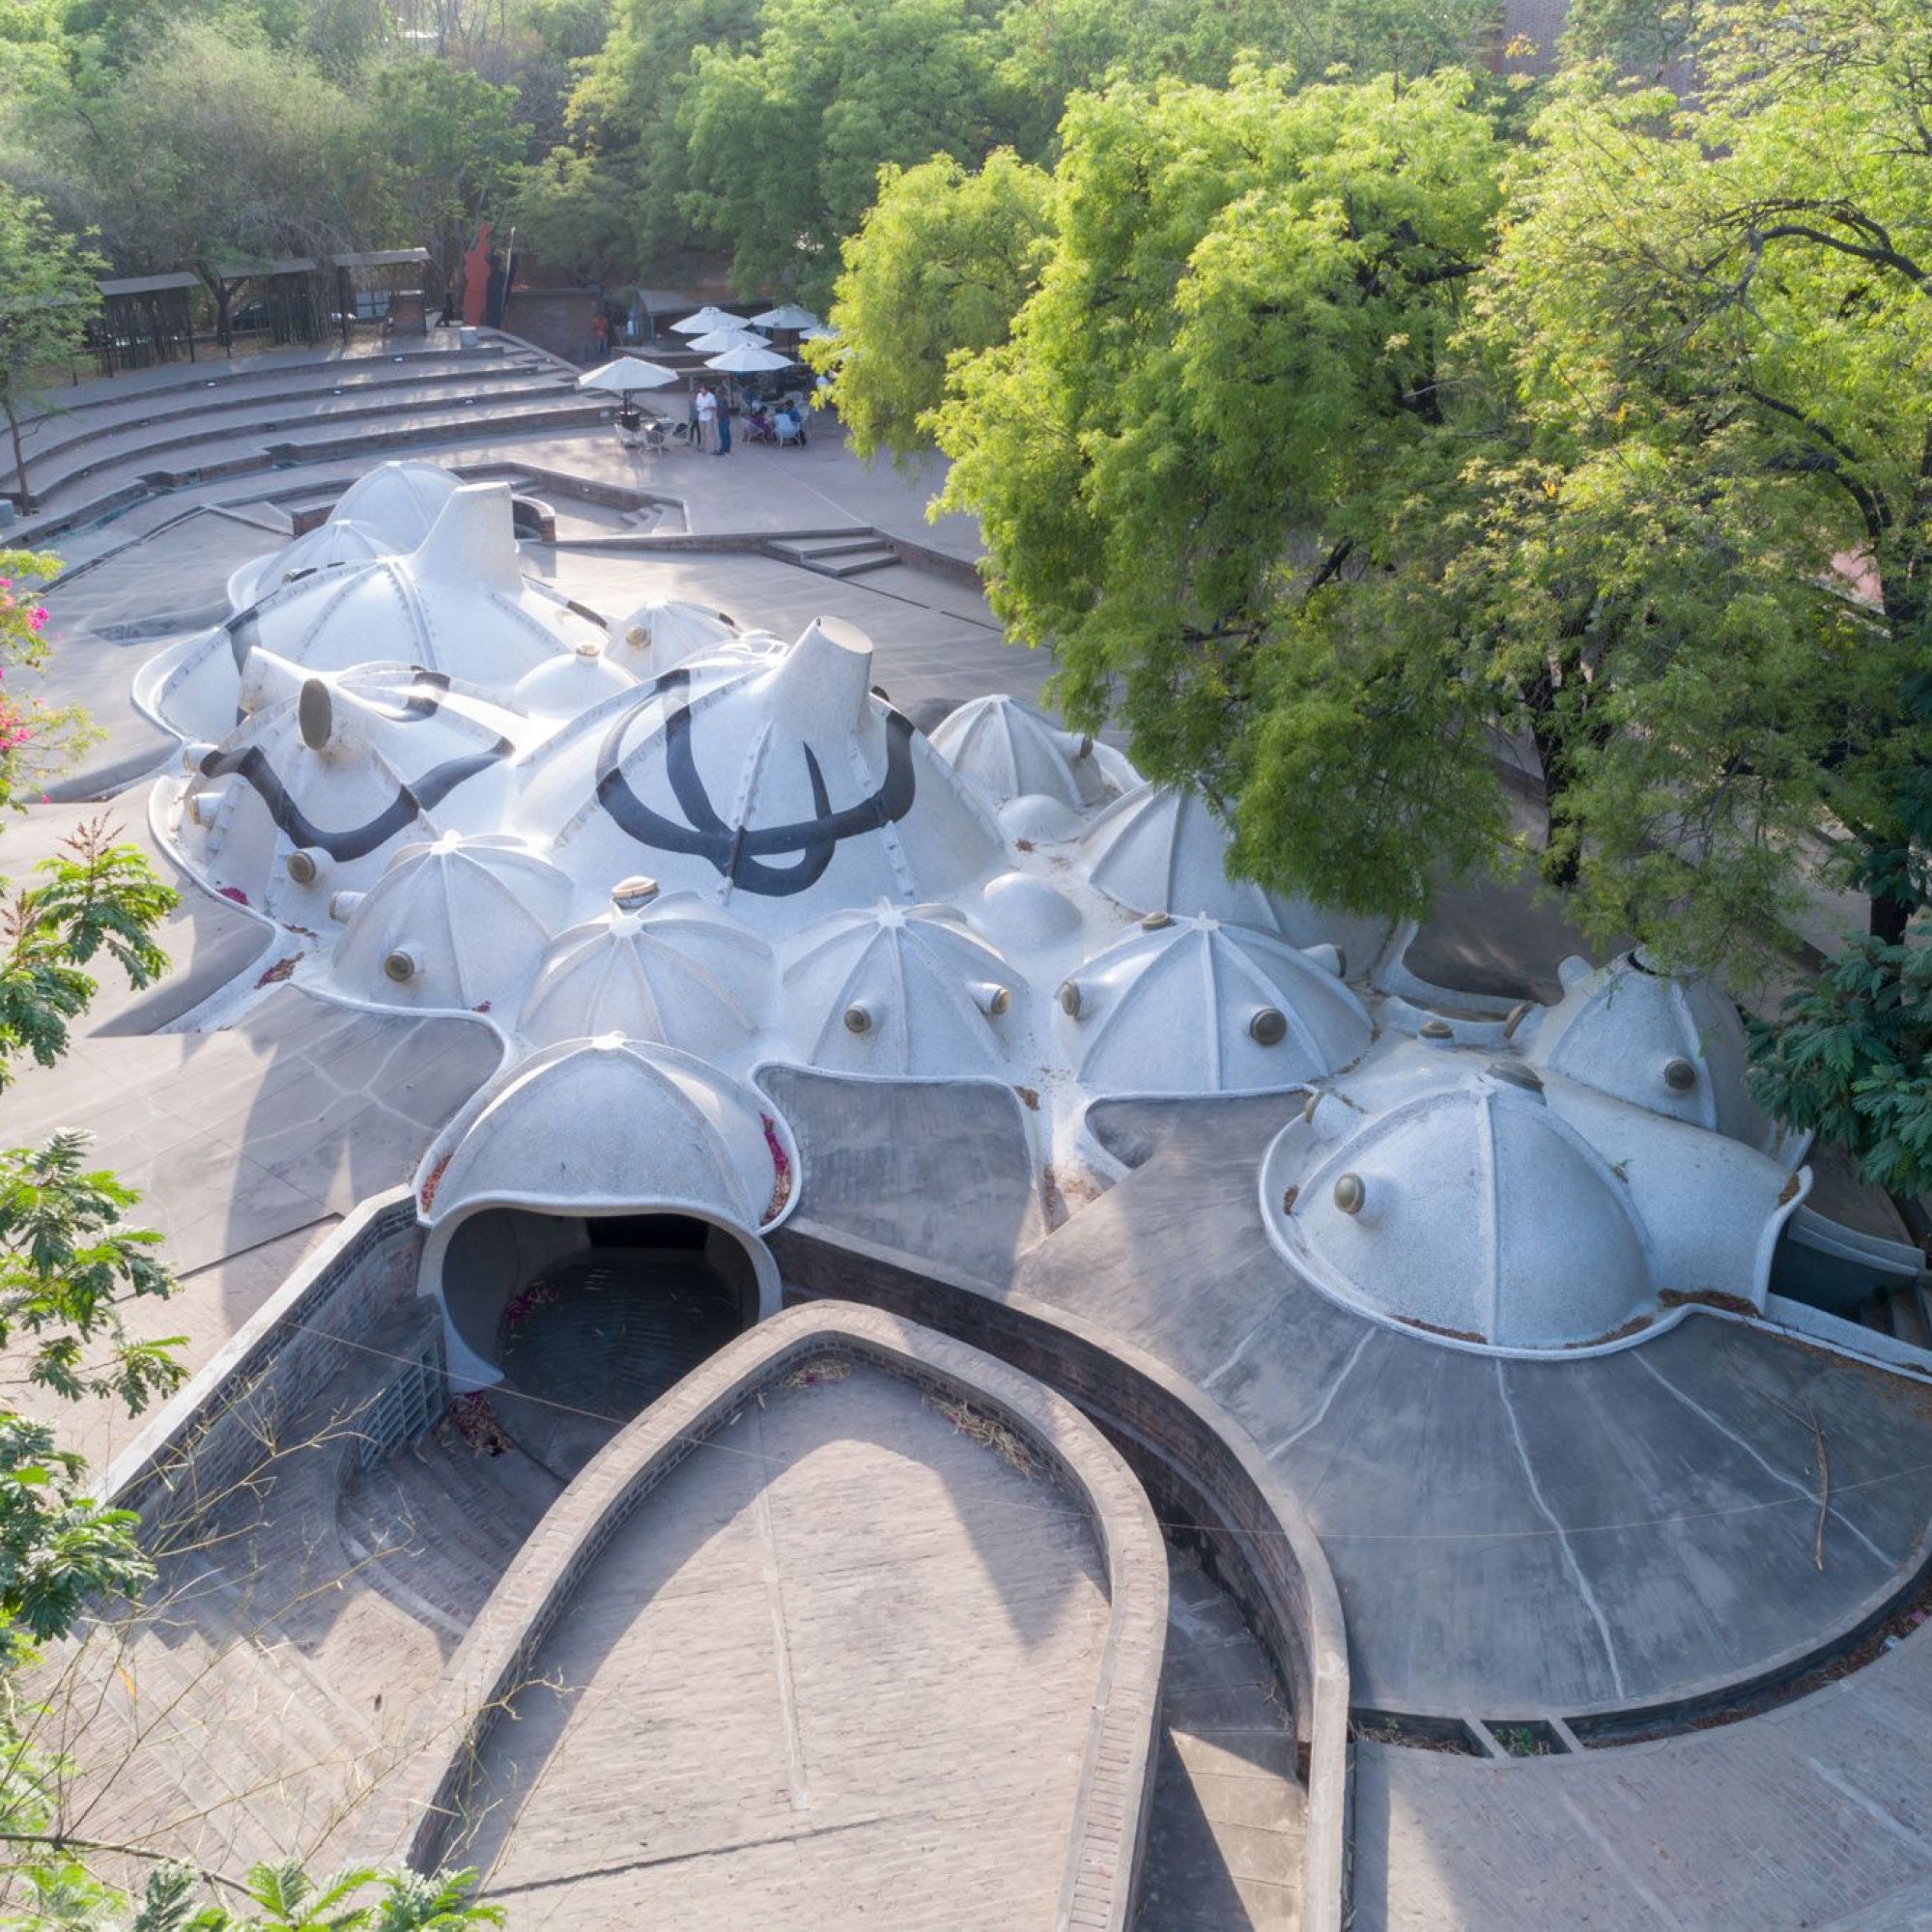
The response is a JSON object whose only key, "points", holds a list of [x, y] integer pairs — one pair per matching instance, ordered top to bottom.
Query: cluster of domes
{"points": [[659, 853]]}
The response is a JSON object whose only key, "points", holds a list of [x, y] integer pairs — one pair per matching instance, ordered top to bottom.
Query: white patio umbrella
{"points": [[787, 315], [708, 316], [819, 331], [716, 341], [747, 362], [626, 375]]}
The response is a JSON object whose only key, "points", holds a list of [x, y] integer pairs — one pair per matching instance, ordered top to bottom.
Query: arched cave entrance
{"points": [[589, 1319]]}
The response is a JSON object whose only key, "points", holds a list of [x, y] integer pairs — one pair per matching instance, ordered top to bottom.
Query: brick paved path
{"points": [[855, 1693]]}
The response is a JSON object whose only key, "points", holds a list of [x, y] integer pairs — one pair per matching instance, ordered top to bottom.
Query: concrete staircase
{"points": [[113, 447], [853, 553]]}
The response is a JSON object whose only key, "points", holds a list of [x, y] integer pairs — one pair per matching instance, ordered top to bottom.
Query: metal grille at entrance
{"points": [[599, 1337]]}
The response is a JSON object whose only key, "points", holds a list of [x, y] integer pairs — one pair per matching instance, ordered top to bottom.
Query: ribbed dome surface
{"points": [[384, 512], [457, 604], [667, 631], [1006, 750], [344, 769], [779, 785], [1160, 850], [459, 923], [678, 973], [888, 991], [1181, 1009], [1670, 1044], [603, 1122], [1476, 1213]]}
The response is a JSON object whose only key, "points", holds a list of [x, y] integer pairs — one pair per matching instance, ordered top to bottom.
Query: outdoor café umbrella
{"points": [[787, 315], [708, 316], [818, 332], [718, 340], [747, 362], [626, 373]]}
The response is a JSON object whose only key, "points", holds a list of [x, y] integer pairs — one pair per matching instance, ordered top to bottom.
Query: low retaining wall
{"points": [[218, 1429], [1196, 1463], [497, 1657]]}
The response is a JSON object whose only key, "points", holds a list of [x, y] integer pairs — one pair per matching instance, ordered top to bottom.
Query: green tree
{"points": [[788, 136], [450, 144], [941, 265], [47, 297], [1719, 316], [1196, 458]]}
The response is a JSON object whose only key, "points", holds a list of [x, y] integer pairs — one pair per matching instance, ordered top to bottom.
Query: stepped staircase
{"points": [[113, 447], [840, 555]]}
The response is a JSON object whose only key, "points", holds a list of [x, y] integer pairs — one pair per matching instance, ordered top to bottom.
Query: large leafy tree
{"points": [[786, 136], [940, 266], [1199, 454]]}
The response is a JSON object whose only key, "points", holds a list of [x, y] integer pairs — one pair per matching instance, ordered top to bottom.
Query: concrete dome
{"points": [[399, 502], [384, 512], [330, 546], [458, 605], [671, 631], [563, 687], [1006, 750], [328, 776], [779, 785], [1161, 850], [462, 922], [676, 971], [888, 991], [1192, 1005], [1667, 1043], [608, 1123], [1472, 1211]]}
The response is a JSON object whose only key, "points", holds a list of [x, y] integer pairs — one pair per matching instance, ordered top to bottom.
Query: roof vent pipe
{"points": [[637, 891], [990, 997]]}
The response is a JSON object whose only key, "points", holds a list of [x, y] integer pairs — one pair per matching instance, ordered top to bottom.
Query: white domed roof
{"points": [[399, 502], [328, 546], [458, 604], [669, 631], [562, 687], [1008, 749], [343, 769], [781, 785], [1161, 850], [1025, 914], [462, 922], [676, 971], [888, 991], [1192, 1005], [1667, 1043], [602, 1123], [1472, 1211]]}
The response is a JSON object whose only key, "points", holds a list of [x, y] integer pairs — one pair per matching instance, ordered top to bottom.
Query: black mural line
{"points": [[251, 764], [738, 852]]}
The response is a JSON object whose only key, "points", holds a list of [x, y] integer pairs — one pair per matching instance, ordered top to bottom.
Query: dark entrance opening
{"points": [[591, 1320]]}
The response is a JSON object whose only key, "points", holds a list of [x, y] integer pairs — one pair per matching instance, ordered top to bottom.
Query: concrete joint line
{"points": [[1569, 1562]]}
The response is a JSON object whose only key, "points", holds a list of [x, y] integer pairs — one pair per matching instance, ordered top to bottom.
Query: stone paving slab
{"points": [[1817, 1814]]}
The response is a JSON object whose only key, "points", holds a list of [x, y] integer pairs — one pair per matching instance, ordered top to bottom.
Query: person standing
{"points": [[706, 407], [724, 425]]}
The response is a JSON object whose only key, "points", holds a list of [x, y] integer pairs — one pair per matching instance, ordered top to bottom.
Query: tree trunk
{"points": [[25, 494], [1887, 920]]}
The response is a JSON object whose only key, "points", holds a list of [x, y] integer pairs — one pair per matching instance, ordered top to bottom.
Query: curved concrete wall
{"points": [[1195, 1461], [1118, 1774]]}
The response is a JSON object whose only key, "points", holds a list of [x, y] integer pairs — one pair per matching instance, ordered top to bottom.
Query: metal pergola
{"points": [[383, 286], [144, 320]]}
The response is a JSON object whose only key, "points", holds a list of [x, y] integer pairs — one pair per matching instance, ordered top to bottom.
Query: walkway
{"points": [[835, 1671], [1817, 1814]]}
